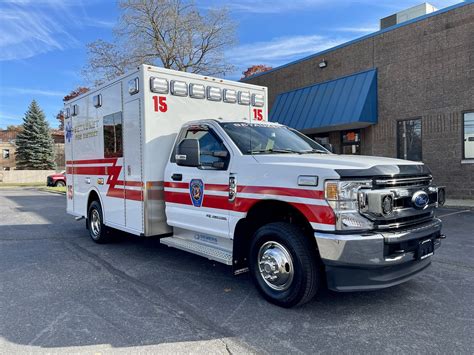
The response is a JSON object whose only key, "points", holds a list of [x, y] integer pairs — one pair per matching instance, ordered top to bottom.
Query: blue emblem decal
{"points": [[69, 131], [196, 190], [420, 199]]}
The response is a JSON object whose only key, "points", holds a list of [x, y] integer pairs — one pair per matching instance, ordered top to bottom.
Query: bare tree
{"points": [[168, 33], [106, 61]]}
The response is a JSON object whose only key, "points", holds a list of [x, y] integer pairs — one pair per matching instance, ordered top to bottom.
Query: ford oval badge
{"points": [[420, 200]]}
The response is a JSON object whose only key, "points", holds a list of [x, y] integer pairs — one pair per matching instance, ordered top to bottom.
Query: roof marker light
{"points": [[159, 85], [179, 88], [197, 91], [214, 93], [230, 96], [244, 98], [257, 100]]}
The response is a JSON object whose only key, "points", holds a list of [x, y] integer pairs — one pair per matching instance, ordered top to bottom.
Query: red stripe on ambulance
{"points": [[314, 213]]}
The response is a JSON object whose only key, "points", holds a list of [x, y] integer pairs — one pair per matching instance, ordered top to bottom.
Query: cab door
{"points": [[197, 197]]}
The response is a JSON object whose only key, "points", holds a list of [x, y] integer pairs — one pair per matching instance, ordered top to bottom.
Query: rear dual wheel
{"points": [[98, 231], [284, 264]]}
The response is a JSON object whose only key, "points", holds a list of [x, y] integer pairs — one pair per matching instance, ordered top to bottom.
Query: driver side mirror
{"points": [[187, 153]]}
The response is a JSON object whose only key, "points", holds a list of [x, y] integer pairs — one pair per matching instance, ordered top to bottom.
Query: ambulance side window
{"points": [[208, 144], [113, 145]]}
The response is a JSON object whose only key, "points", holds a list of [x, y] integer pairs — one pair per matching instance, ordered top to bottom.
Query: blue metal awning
{"points": [[345, 103]]}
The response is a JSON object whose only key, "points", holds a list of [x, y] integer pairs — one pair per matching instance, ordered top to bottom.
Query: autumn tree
{"points": [[173, 34], [255, 69], [74, 93], [60, 118], [15, 128], [35, 149]]}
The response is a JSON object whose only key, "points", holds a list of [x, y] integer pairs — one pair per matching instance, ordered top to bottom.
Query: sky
{"points": [[43, 42]]}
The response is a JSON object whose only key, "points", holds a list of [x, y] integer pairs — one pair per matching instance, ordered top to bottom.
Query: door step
{"points": [[209, 252]]}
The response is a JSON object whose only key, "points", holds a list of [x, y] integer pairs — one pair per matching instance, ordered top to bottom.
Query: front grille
{"points": [[403, 181], [405, 202], [404, 212], [403, 221]]}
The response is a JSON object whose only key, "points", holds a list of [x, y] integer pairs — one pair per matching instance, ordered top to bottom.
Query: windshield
{"points": [[269, 139]]}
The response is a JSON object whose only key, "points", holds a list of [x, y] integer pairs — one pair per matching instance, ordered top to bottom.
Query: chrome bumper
{"points": [[365, 261]]}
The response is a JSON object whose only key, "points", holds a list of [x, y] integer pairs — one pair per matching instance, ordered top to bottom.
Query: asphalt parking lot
{"points": [[60, 292]]}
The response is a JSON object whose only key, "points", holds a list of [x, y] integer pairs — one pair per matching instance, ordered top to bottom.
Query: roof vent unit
{"points": [[406, 15]]}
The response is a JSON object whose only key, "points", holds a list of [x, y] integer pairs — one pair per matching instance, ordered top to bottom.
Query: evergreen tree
{"points": [[35, 146]]}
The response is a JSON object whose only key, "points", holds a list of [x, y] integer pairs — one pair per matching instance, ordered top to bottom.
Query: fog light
{"points": [[387, 205]]}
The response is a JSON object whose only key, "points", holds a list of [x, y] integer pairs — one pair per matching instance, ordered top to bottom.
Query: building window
{"points": [[113, 135], [468, 135], [323, 139], [409, 139], [350, 142], [6, 153]]}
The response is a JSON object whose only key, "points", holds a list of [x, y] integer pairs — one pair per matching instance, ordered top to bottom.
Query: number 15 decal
{"points": [[159, 103], [258, 114]]}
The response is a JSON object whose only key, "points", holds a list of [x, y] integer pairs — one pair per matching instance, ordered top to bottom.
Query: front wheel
{"points": [[60, 183], [95, 223], [284, 264]]}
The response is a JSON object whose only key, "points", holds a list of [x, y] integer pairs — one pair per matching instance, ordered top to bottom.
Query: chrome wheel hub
{"points": [[95, 223], [275, 265]]}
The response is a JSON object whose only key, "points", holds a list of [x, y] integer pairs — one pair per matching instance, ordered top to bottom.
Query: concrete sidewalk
{"points": [[454, 203]]}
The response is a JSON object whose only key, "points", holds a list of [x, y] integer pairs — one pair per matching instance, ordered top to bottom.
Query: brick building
{"points": [[406, 91], [8, 149]]}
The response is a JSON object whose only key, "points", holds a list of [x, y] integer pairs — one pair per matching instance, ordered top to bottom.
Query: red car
{"points": [[58, 179]]}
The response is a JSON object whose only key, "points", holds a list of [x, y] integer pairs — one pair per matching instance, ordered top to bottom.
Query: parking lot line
{"points": [[453, 213]]}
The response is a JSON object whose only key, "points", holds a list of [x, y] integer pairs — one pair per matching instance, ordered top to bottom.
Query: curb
{"points": [[52, 191], [467, 204], [459, 207]]}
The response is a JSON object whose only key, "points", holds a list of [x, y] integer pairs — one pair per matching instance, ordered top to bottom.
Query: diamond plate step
{"points": [[199, 249]]}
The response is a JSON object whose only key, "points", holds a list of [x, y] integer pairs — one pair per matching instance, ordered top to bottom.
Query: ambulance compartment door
{"points": [[132, 147]]}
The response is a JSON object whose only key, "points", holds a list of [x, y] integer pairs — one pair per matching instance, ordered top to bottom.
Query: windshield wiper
{"points": [[273, 150], [313, 151]]}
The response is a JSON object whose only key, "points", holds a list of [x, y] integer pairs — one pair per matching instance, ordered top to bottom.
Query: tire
{"points": [[60, 183], [98, 231], [299, 275]]}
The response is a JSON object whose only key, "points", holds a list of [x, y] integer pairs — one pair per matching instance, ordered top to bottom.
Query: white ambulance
{"points": [[194, 160]]}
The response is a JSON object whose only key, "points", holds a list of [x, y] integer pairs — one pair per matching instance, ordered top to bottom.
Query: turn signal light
{"points": [[331, 191]]}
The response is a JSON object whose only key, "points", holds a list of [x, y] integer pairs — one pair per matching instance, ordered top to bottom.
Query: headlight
{"points": [[342, 196]]}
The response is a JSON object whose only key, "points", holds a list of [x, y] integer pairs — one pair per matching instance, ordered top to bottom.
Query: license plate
{"points": [[425, 249]]}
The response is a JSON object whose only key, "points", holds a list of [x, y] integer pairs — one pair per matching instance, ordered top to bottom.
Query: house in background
{"points": [[8, 149]]}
